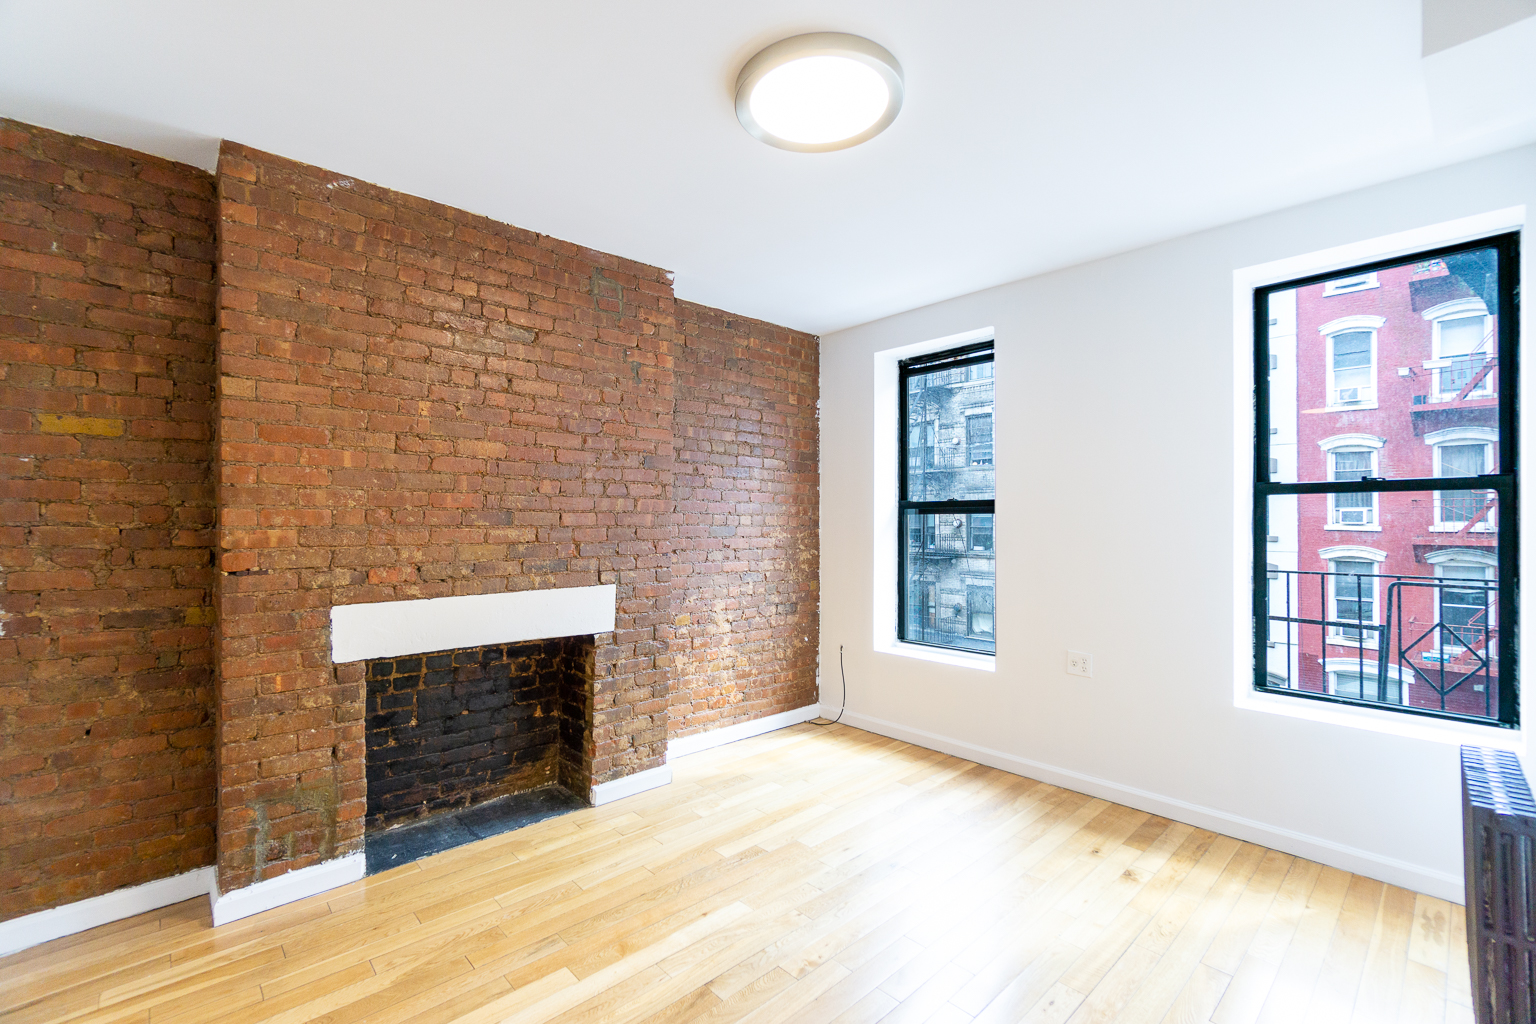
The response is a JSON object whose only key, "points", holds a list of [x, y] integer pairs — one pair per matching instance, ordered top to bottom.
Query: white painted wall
{"points": [[1115, 536]]}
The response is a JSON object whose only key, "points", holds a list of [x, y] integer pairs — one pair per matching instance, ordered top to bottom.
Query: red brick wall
{"points": [[106, 366], [416, 401], [745, 572]]}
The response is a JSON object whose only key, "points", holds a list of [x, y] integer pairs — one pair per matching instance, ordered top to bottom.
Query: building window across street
{"points": [[1385, 484], [946, 561]]}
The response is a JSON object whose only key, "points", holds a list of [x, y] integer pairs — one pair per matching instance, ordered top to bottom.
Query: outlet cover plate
{"points": [[1079, 664]]}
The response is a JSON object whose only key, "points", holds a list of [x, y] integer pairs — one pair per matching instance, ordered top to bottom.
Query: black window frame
{"points": [[955, 358], [1505, 483]]}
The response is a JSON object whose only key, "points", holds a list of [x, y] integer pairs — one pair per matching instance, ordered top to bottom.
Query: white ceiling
{"points": [[1036, 133]]}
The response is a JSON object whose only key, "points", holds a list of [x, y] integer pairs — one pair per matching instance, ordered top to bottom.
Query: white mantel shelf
{"points": [[392, 629]]}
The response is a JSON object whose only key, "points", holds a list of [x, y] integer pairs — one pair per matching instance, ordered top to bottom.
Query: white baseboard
{"points": [[685, 745], [629, 785], [1442, 884], [295, 885], [21, 932]]}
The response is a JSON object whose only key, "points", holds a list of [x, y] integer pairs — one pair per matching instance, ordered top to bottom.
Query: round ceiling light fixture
{"points": [[819, 92]]}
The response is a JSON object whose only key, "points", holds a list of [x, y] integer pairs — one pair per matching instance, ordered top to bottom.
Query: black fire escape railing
{"points": [[1462, 652]]}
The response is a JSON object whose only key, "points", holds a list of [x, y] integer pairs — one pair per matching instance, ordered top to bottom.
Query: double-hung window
{"points": [[1463, 363], [1384, 552], [946, 558]]}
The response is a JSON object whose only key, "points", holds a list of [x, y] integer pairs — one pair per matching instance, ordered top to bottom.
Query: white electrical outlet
{"points": [[1079, 664]]}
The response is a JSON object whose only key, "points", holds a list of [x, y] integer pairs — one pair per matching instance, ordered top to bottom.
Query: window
{"points": [[1463, 352], [1351, 360], [1396, 427], [978, 438], [920, 448], [1463, 452], [1352, 457], [1353, 510], [980, 530], [946, 559], [1353, 585], [979, 602], [1466, 609], [1357, 685]]}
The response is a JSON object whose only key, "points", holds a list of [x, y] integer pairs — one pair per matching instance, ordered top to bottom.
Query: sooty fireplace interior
{"points": [[451, 730]]}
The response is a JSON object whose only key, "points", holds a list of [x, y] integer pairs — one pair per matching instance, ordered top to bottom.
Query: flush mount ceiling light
{"points": [[819, 92]]}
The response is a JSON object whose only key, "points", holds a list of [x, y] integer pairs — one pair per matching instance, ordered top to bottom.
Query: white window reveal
{"points": [[1352, 361]]}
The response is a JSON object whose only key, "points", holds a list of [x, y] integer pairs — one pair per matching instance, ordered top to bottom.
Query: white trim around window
{"points": [[1244, 281], [1337, 441], [886, 518], [1357, 551]]}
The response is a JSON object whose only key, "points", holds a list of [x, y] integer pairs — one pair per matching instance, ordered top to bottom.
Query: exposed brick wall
{"points": [[106, 367], [415, 402], [745, 493], [454, 728]]}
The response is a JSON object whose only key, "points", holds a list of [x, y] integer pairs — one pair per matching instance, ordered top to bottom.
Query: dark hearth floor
{"points": [[401, 845]]}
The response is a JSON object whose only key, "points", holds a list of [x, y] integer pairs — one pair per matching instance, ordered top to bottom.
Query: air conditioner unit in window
{"points": [[1349, 395], [1354, 516]]}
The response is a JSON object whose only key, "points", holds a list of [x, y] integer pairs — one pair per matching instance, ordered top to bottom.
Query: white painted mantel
{"points": [[392, 629]]}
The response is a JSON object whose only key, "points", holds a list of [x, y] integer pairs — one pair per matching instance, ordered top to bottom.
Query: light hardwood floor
{"points": [[813, 874]]}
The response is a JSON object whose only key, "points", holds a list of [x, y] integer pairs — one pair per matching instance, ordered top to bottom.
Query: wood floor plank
{"points": [[819, 875], [1430, 941], [1304, 956], [1381, 984], [1333, 998], [1198, 999]]}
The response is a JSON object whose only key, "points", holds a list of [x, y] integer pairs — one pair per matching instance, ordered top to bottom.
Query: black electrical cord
{"points": [[843, 671]]}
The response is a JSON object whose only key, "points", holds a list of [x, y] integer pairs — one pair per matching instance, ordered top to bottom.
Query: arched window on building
{"points": [[1463, 350], [1351, 361], [1464, 452], [1352, 457], [1354, 592], [1466, 613], [1361, 680]]}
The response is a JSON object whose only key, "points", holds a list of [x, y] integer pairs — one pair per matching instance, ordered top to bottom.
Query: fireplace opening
{"points": [[468, 743]]}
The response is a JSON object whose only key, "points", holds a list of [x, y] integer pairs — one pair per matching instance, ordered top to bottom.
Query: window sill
{"points": [[1352, 407], [1458, 527], [1352, 529], [1340, 641], [960, 659], [1394, 723]]}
